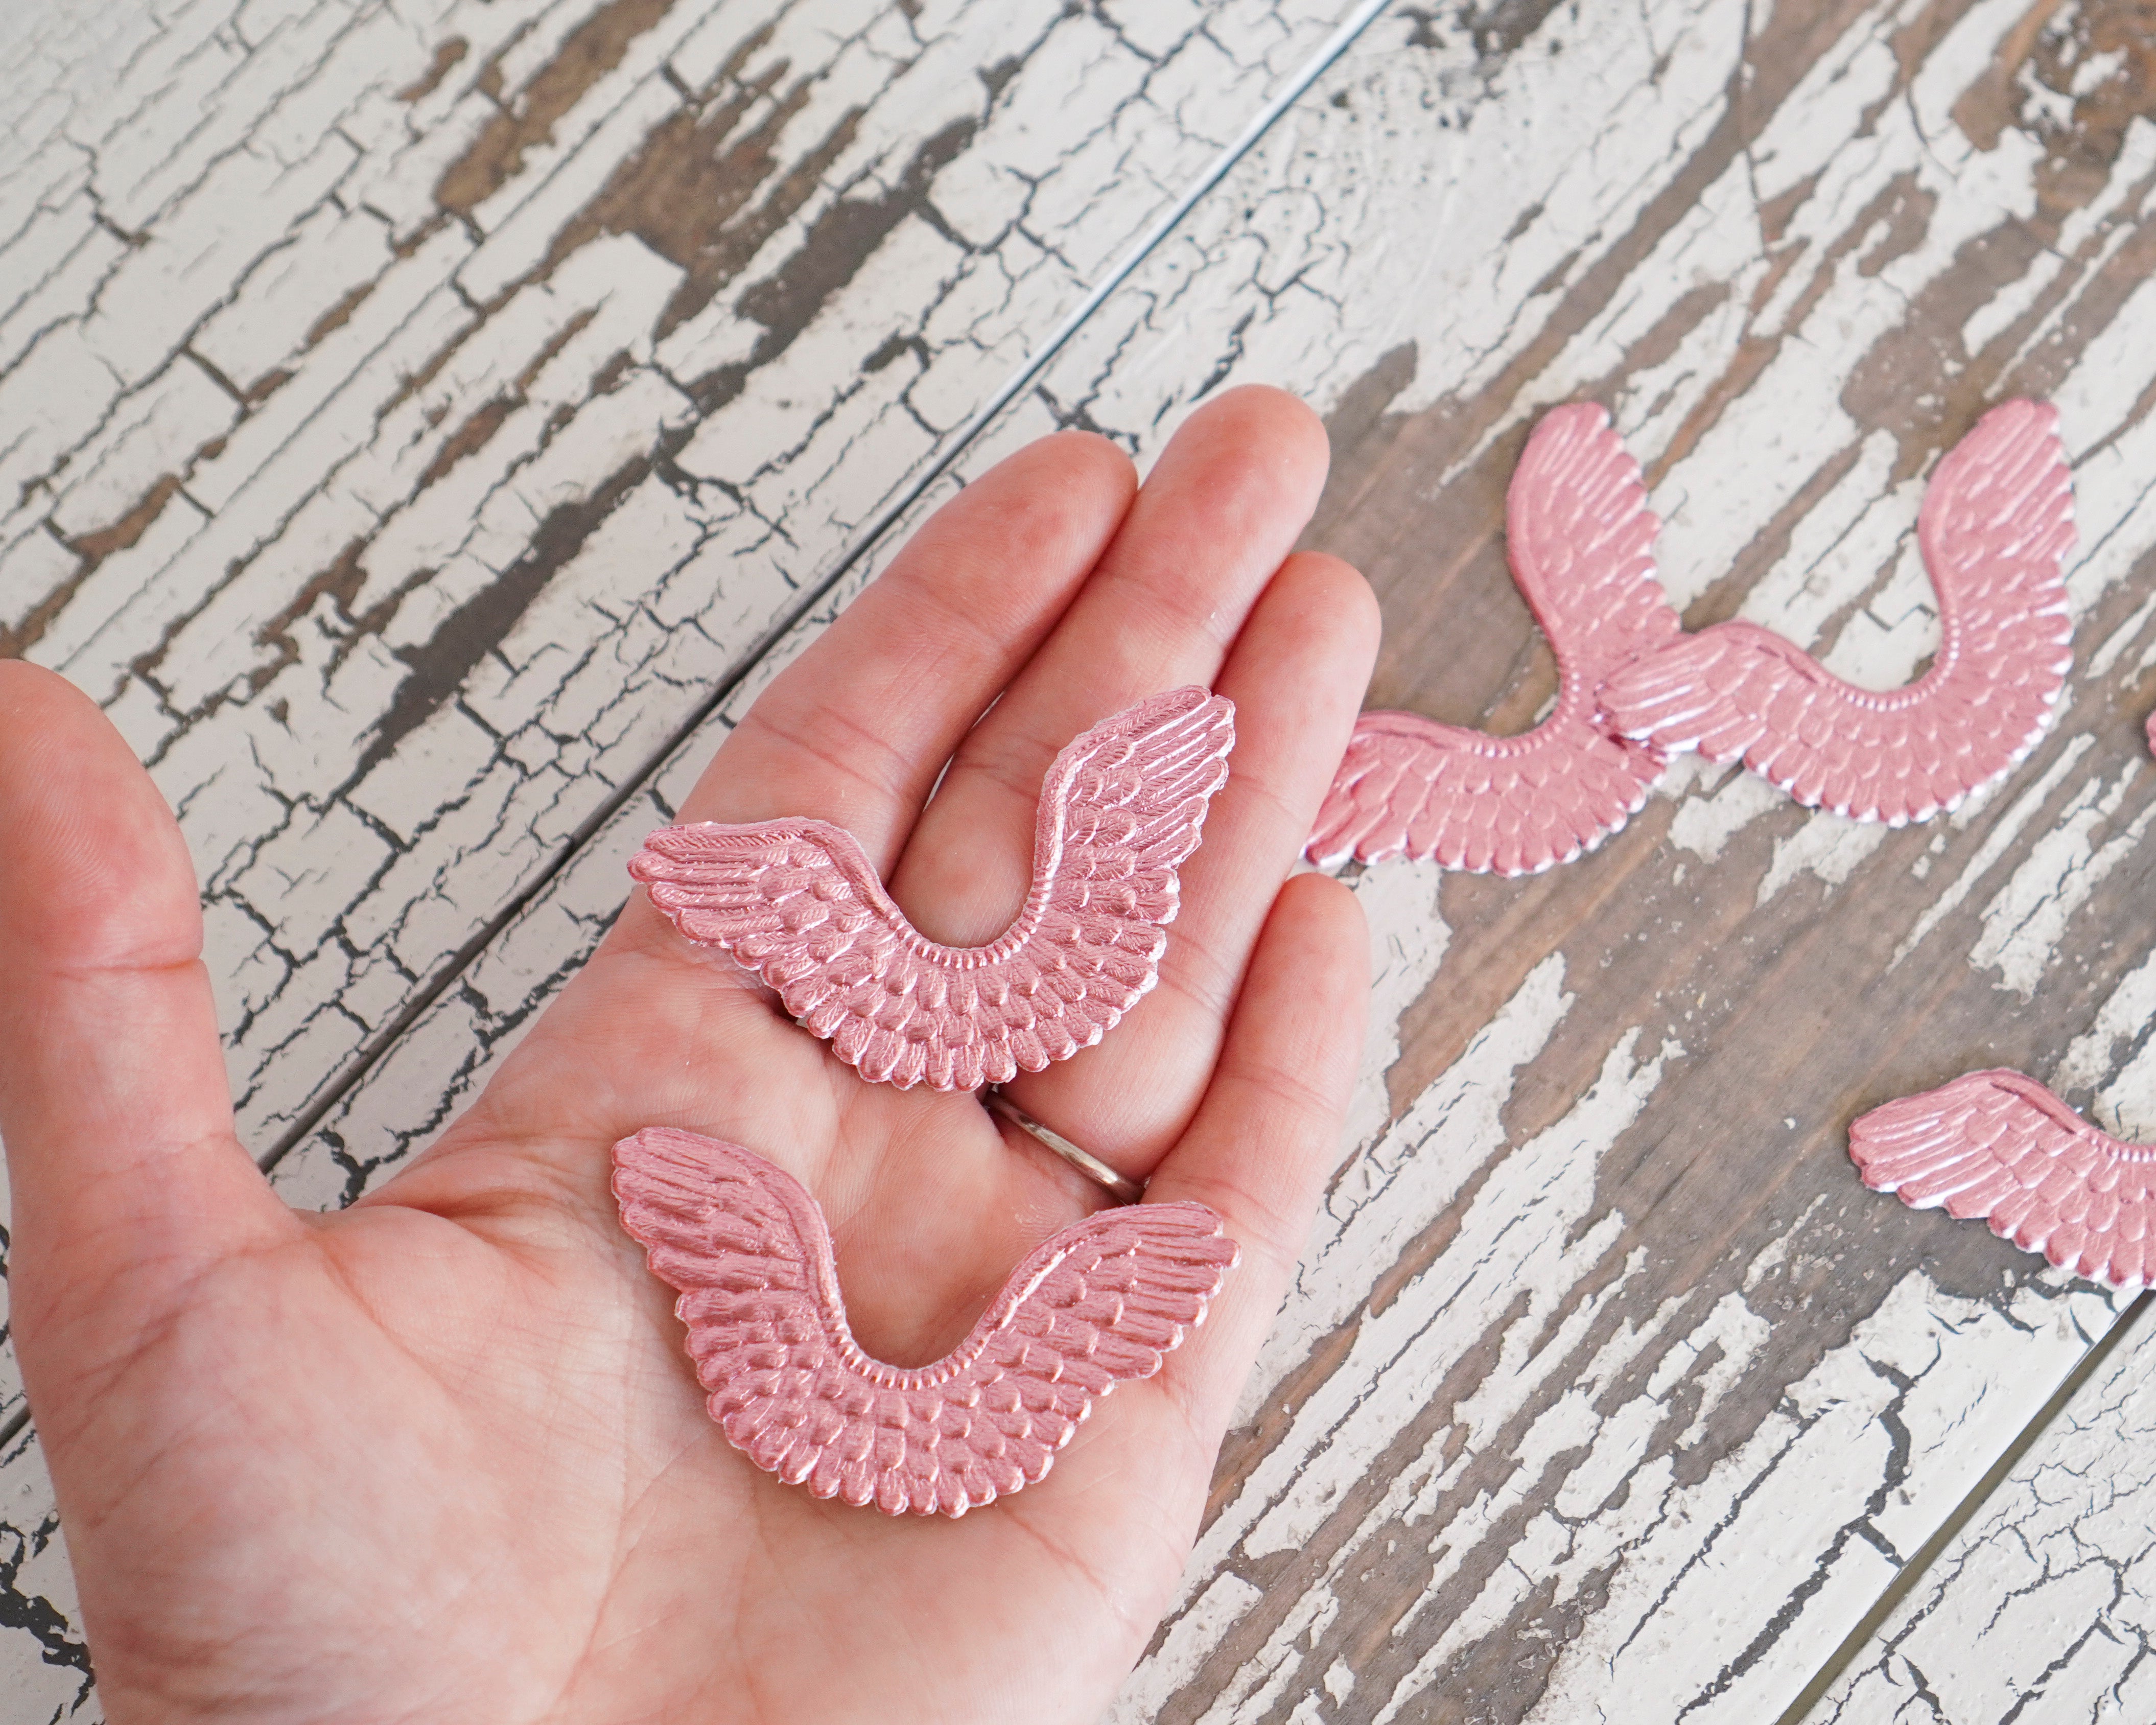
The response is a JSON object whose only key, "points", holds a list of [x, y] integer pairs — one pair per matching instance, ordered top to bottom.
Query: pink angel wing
{"points": [[1996, 526], [1581, 540], [797, 901], [1999, 1145], [1096, 1305]]}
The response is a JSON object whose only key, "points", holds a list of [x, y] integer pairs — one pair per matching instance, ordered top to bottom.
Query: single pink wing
{"points": [[1996, 526], [1581, 540], [797, 901], [1998, 1145], [1098, 1304]]}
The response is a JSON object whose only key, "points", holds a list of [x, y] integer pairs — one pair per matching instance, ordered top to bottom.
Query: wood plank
{"points": [[419, 411], [1607, 1391], [2039, 1609]]}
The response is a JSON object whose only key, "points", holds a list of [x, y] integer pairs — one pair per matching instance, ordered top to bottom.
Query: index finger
{"points": [[856, 731]]}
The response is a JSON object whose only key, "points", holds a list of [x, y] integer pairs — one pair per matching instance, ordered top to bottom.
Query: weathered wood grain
{"points": [[411, 415], [1604, 1391], [1607, 1391], [2042, 1608]]}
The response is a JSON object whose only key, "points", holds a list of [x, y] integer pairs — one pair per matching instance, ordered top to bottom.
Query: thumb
{"points": [[125, 1171]]}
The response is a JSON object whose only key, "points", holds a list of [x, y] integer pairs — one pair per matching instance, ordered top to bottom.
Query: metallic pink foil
{"points": [[1996, 528], [1581, 540], [797, 901], [1998, 1145], [1094, 1306]]}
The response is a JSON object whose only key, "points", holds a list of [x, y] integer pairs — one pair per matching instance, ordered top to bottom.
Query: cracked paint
{"points": [[1601, 1383], [2041, 1607]]}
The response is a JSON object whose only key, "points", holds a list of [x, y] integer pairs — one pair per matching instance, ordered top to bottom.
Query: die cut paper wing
{"points": [[1996, 528], [1581, 542], [797, 901], [2001, 1146], [1096, 1305]]}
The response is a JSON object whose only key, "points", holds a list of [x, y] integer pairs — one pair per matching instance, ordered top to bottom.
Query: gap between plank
{"points": [[1030, 368], [371, 1052], [1979, 1494]]}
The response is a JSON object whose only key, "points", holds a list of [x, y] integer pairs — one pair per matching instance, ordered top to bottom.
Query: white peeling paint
{"points": [[1730, 800], [1827, 846], [2026, 922], [1408, 939], [2129, 1103], [1541, 1191], [1667, 1644]]}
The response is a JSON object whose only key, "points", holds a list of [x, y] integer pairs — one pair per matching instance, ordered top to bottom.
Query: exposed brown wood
{"points": [[594, 47]]}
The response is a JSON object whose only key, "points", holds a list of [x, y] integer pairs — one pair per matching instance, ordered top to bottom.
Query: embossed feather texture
{"points": [[1996, 525], [1581, 542], [797, 901], [1998, 1145], [1094, 1306]]}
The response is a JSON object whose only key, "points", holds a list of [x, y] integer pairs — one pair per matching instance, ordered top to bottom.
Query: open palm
{"points": [[441, 1456]]}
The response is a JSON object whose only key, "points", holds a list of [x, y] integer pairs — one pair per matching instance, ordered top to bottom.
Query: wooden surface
{"points": [[428, 428], [2052, 1565]]}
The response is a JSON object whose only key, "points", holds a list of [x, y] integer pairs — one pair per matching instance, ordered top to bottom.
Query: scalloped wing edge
{"points": [[1702, 692], [1160, 761], [1379, 805]]}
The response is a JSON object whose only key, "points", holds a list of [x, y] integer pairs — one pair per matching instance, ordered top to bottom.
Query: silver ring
{"points": [[1124, 1190]]}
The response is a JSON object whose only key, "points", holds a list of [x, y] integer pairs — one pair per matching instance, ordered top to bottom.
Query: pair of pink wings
{"points": [[1995, 530], [1633, 688], [798, 902], [1094, 1306]]}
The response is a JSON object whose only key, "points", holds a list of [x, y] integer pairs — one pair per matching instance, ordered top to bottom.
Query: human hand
{"points": [[441, 1455]]}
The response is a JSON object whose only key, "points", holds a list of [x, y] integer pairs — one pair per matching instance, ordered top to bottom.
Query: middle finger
{"points": [[1193, 589]]}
